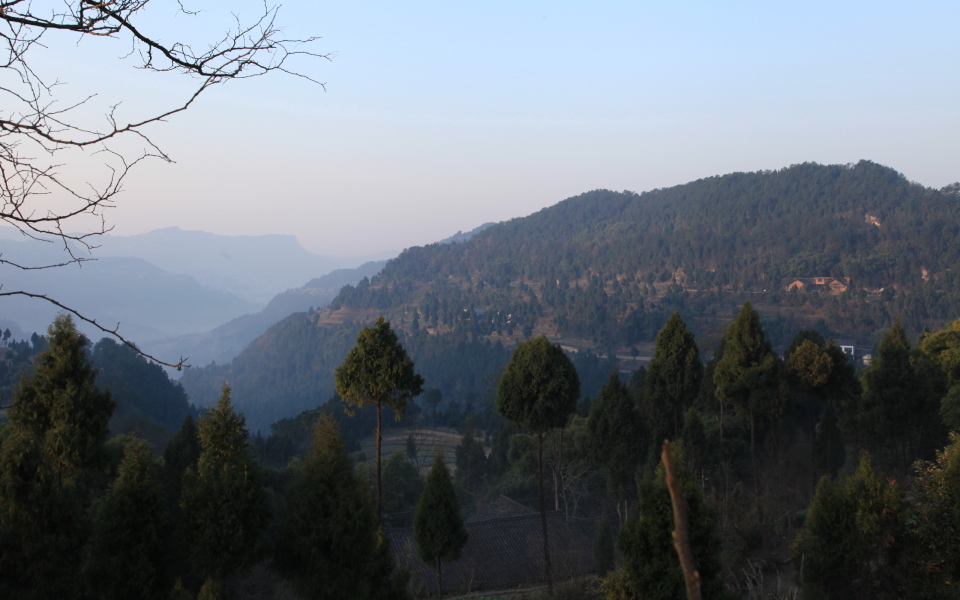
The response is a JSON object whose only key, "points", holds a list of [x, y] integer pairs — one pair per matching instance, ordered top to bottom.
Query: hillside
{"points": [[606, 267], [603, 270], [224, 342]]}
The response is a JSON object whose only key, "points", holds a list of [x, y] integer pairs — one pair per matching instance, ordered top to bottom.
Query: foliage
{"points": [[378, 372], [748, 375], [672, 379], [137, 386], [539, 388], [61, 406], [898, 412], [616, 436], [51, 458], [471, 461], [402, 487], [224, 503], [935, 525], [437, 527], [328, 532], [646, 541], [846, 549], [130, 551]]}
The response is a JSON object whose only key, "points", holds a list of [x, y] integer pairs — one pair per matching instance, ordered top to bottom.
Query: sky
{"points": [[440, 116]]}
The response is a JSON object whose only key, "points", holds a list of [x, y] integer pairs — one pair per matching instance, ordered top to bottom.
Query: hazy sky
{"points": [[442, 116]]}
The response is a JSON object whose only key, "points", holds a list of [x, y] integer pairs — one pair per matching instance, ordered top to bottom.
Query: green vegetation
{"points": [[378, 372], [539, 390], [438, 527]]}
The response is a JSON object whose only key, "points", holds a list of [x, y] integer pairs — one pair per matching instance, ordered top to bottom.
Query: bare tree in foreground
{"points": [[47, 139]]}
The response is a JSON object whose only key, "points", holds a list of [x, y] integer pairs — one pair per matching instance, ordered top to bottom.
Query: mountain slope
{"points": [[604, 269], [225, 342]]}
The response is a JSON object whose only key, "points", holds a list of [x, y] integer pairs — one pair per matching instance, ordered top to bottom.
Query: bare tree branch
{"points": [[42, 134], [177, 365], [681, 531]]}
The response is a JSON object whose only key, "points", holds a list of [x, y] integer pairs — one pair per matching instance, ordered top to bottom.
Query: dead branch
{"points": [[681, 532]]}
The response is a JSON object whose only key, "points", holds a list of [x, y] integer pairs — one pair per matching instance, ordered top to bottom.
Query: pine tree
{"points": [[378, 371], [748, 374], [672, 380], [539, 390], [60, 404], [897, 409], [617, 439], [51, 458], [224, 503], [437, 527], [851, 530], [328, 532], [130, 554]]}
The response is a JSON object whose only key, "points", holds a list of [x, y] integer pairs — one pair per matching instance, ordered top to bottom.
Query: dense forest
{"points": [[610, 266], [826, 480]]}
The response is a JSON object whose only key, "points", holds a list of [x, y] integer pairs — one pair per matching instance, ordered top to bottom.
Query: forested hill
{"points": [[605, 265], [603, 271]]}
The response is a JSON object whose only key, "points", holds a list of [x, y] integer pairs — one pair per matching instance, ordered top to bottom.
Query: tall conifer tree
{"points": [[378, 371], [748, 374], [672, 380], [539, 390], [617, 439], [51, 457], [224, 503], [437, 526], [328, 533], [130, 554]]}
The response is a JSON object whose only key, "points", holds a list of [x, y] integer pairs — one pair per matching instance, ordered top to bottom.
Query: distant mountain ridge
{"points": [[254, 267], [605, 269], [226, 341]]}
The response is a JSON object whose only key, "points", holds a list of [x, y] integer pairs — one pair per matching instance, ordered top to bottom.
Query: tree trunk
{"points": [[753, 457], [379, 489], [543, 516], [439, 579]]}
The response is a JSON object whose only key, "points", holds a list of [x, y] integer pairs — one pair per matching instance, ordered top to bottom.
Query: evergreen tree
{"points": [[377, 371], [748, 373], [822, 378], [673, 379], [539, 390], [62, 407], [898, 411], [617, 439], [51, 457], [471, 460], [402, 486], [224, 503], [42, 526], [437, 527], [851, 531], [328, 532], [646, 541], [130, 554], [934, 556]]}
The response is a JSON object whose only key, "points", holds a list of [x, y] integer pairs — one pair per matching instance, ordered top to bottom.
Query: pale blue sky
{"points": [[440, 116]]}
